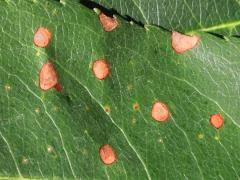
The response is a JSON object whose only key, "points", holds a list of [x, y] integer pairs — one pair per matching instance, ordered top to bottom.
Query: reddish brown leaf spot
{"points": [[107, 23], [41, 37], [182, 43], [100, 69], [47, 77], [58, 87], [135, 107], [107, 109], [159, 111], [216, 121], [107, 154]]}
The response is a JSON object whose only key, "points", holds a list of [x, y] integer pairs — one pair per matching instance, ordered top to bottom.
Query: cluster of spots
{"points": [[107, 23], [182, 43], [100, 68], [47, 75], [107, 154]]}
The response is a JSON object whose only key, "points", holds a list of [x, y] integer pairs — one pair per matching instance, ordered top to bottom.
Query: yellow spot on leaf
{"points": [[7, 87], [129, 87], [37, 110], [200, 136], [217, 138], [50, 149], [25, 160]]}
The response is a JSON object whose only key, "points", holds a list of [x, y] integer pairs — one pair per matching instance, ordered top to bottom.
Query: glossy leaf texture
{"points": [[188, 16], [50, 134]]}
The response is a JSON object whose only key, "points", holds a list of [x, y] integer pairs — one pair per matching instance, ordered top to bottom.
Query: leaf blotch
{"points": [[108, 23], [41, 37], [182, 43], [100, 69], [47, 77], [159, 111], [216, 121], [107, 154]]}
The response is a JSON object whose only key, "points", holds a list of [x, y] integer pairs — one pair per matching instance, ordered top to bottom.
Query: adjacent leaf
{"points": [[187, 16], [50, 134]]}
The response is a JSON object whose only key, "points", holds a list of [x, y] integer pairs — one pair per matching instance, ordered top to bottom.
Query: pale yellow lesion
{"points": [[63, 2], [54, 12], [38, 53], [8, 87], [129, 87], [87, 108], [55, 109], [37, 110], [134, 121], [200, 136], [217, 138], [160, 140], [50, 149], [84, 151], [25, 161]]}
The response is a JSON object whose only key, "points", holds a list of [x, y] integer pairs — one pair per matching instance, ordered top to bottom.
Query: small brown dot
{"points": [[107, 23], [41, 37], [182, 43], [100, 69], [47, 77], [135, 107], [107, 109], [159, 111], [216, 121], [107, 154]]}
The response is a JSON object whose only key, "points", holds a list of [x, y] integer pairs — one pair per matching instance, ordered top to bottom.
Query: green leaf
{"points": [[186, 16], [50, 134]]}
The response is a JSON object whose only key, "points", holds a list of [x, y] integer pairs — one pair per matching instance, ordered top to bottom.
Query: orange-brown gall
{"points": [[107, 23], [41, 37], [182, 43], [100, 69], [47, 77], [159, 111], [216, 121], [107, 154]]}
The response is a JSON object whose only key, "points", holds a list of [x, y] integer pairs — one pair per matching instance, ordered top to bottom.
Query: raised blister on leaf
{"points": [[107, 23], [41, 37], [182, 43], [100, 69], [47, 77], [159, 111], [216, 121], [107, 154]]}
